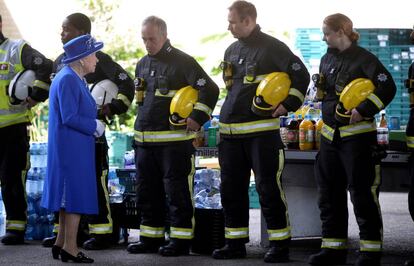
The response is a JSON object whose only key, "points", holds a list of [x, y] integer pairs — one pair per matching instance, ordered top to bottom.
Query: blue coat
{"points": [[71, 146]]}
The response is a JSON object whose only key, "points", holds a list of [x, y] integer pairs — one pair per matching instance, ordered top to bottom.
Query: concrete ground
{"points": [[398, 244]]}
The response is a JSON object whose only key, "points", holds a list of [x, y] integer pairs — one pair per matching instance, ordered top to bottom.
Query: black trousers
{"points": [[265, 156], [14, 164], [349, 165], [165, 173], [411, 192], [101, 223]]}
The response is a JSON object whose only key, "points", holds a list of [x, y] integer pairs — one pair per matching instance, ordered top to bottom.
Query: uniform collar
{"points": [[252, 37], [165, 50], [345, 52]]}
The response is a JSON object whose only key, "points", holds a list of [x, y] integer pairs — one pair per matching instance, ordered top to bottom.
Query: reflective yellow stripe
{"points": [[256, 80], [41, 84], [170, 93], [297, 93], [124, 99], [375, 100], [204, 108], [8, 120], [250, 127], [357, 128], [350, 130], [327, 132], [163, 136], [410, 142], [190, 180], [282, 192], [375, 192], [15, 225], [107, 227], [100, 228], [154, 232], [181, 233], [234, 233], [280, 234], [334, 243], [368, 245]]}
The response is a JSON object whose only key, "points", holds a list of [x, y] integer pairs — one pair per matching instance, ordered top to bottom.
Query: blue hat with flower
{"points": [[80, 47]]}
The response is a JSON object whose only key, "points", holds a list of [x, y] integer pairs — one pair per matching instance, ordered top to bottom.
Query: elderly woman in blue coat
{"points": [[70, 186]]}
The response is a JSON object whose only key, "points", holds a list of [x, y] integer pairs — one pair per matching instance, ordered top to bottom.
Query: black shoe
{"points": [[13, 238], [48, 242], [96, 244], [143, 247], [176, 247], [56, 252], [230, 252], [277, 254], [328, 256], [80, 258], [368, 259], [409, 263]]}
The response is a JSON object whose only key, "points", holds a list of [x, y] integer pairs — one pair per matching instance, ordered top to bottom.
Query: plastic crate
{"points": [[127, 178], [253, 197], [125, 215], [208, 231]]}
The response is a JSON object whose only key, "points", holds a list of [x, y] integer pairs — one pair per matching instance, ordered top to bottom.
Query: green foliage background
{"points": [[120, 49]]}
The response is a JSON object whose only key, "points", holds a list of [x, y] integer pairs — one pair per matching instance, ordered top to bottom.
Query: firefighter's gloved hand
{"points": [[100, 128]]}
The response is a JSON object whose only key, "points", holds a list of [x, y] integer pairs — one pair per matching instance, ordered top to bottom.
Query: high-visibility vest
{"points": [[10, 65]]}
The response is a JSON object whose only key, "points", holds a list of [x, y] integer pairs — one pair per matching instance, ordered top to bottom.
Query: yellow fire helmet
{"points": [[272, 90], [353, 94], [182, 105]]}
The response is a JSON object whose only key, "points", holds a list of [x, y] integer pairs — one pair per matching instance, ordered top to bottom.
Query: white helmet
{"points": [[21, 86], [103, 92]]}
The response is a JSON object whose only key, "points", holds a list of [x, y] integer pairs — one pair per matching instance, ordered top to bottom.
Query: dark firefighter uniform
{"points": [[15, 56], [106, 68], [410, 137], [253, 142], [165, 156], [347, 158]]}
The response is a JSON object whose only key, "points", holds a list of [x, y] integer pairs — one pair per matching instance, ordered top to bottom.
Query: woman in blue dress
{"points": [[70, 186]]}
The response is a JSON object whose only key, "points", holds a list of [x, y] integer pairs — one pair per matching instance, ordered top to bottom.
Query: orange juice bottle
{"points": [[318, 128], [306, 134]]}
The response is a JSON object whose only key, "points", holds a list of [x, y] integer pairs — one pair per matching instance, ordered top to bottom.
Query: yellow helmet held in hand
{"points": [[272, 90], [353, 94], [182, 105]]}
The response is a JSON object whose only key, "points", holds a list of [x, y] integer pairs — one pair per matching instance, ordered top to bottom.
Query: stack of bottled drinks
{"points": [[304, 134], [207, 189], [39, 220]]}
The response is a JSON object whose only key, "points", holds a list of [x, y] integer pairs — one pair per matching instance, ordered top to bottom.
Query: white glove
{"points": [[100, 128]]}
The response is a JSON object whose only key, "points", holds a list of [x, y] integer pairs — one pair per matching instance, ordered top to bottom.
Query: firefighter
{"points": [[16, 56], [250, 138], [410, 139], [164, 154], [349, 156], [100, 226]]}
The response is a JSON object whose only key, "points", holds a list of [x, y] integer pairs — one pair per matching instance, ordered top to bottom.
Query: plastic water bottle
{"points": [[129, 159], [115, 189], [201, 198], [216, 201], [2, 225]]}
